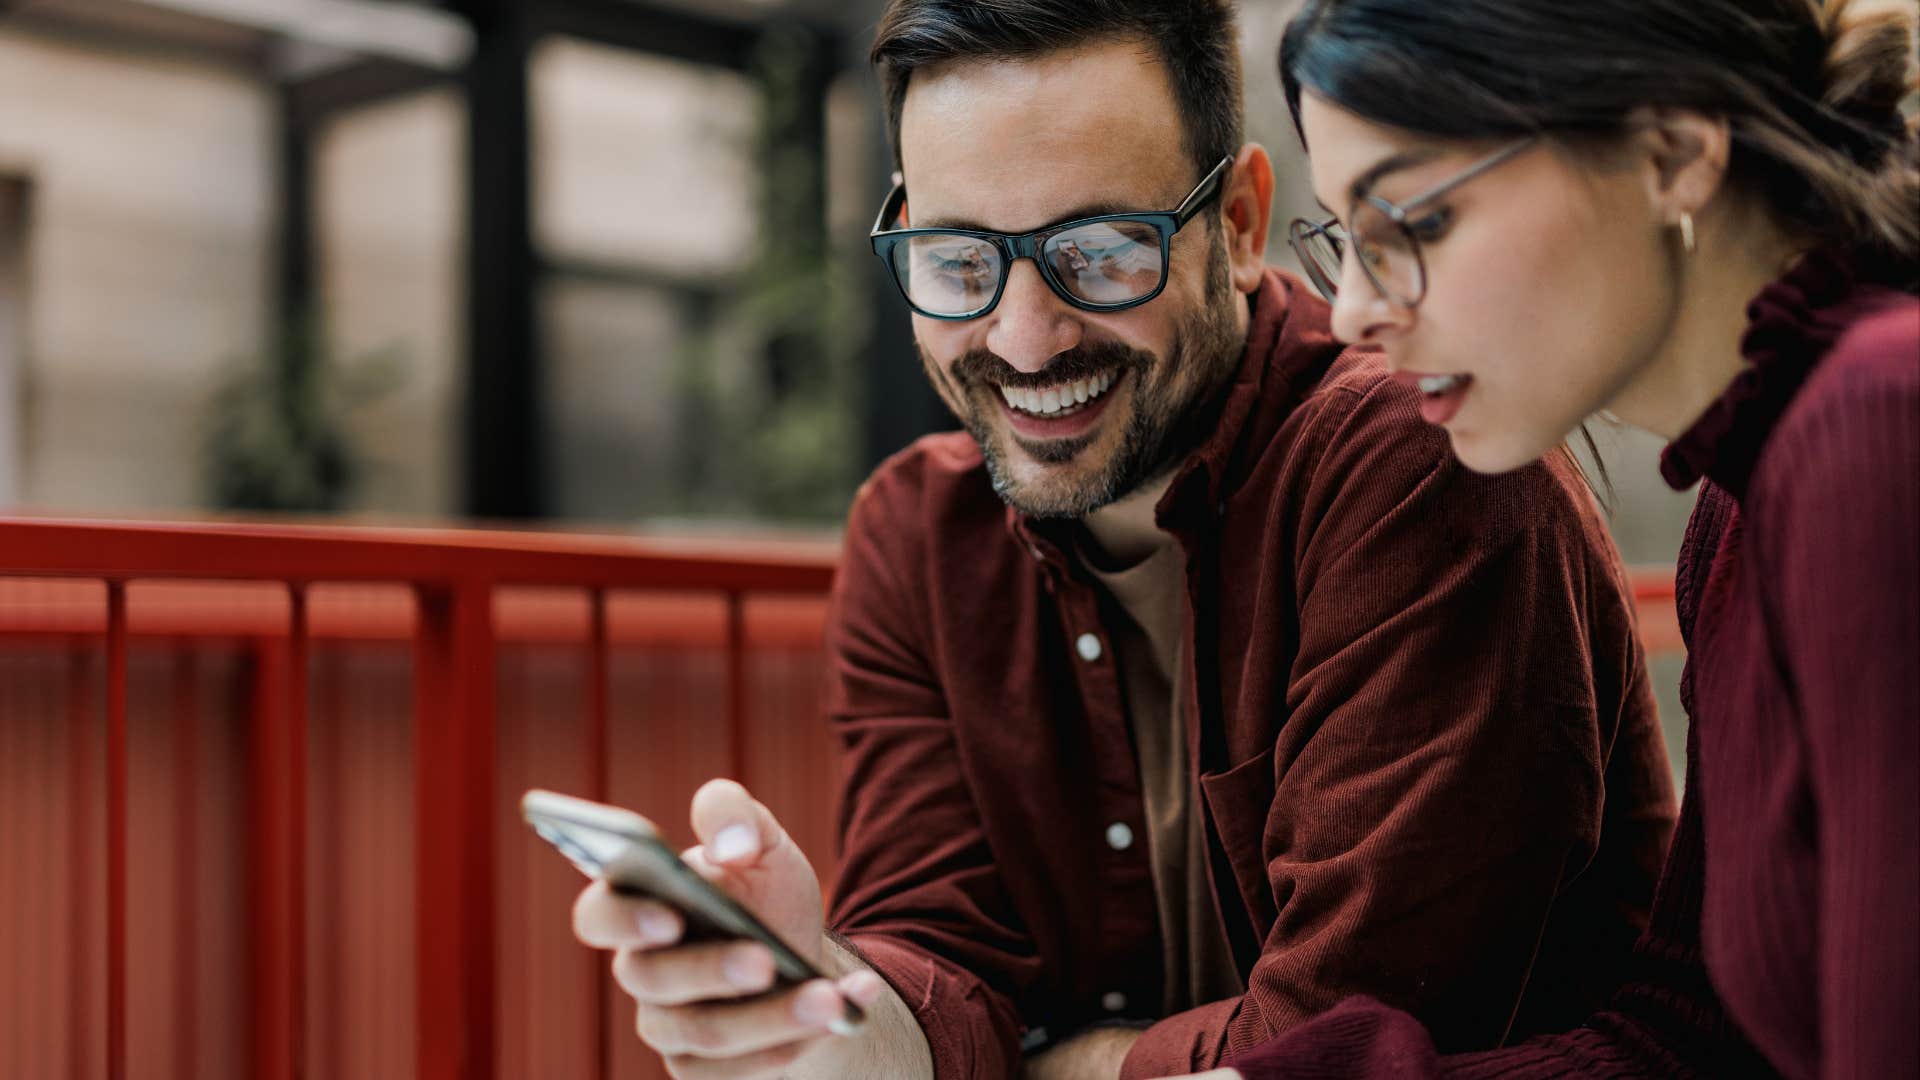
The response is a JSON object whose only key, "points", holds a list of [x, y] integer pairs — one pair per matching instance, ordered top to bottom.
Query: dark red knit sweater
{"points": [[1785, 936]]}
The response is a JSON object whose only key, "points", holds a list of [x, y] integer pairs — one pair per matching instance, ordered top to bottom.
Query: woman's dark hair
{"points": [[1196, 39], [1812, 90]]}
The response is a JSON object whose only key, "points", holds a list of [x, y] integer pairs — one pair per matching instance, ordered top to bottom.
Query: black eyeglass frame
{"points": [[1400, 214], [1166, 224]]}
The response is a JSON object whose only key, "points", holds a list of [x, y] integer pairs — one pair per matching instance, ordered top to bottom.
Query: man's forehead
{"points": [[1028, 140]]}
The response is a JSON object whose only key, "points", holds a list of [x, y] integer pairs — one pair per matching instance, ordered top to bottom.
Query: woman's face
{"points": [[1549, 283]]}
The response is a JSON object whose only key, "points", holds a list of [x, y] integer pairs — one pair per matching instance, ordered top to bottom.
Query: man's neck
{"points": [[1124, 531]]}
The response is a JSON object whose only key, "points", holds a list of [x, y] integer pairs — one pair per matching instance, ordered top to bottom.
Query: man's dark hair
{"points": [[1197, 40]]}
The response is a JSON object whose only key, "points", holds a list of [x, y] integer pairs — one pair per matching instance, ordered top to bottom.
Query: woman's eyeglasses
{"points": [[1385, 236]]}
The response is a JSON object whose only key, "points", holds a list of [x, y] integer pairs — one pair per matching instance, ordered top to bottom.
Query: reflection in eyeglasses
{"points": [[1109, 262]]}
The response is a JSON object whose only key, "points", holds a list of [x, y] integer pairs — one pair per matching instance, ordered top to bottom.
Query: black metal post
{"points": [[295, 299], [504, 460]]}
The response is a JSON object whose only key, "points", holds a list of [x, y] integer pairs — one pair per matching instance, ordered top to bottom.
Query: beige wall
{"points": [[640, 160], [390, 224], [149, 245]]}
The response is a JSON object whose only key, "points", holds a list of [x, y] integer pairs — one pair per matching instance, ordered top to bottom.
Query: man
{"points": [[1195, 687]]}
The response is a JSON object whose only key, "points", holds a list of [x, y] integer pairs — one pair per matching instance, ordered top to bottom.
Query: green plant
{"points": [[276, 431], [782, 440]]}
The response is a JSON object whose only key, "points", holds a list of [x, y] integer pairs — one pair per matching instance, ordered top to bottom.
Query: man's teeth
{"points": [[1439, 384], [1055, 399]]}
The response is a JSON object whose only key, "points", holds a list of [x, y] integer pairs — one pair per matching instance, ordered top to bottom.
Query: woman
{"points": [[1699, 216]]}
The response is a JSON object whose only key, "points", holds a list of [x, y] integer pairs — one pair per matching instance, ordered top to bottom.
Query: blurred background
{"points": [[593, 261], [561, 264]]}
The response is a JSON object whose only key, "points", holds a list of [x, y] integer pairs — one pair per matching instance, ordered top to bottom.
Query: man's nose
{"points": [[1030, 325]]}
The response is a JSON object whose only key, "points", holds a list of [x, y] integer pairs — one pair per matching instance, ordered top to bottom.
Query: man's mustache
{"points": [[1084, 362]]}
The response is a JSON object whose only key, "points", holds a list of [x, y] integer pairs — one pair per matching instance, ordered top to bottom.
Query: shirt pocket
{"points": [[1240, 801]]}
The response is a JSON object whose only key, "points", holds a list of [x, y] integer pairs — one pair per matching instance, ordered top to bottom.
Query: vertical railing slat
{"points": [[82, 730], [739, 758], [454, 771], [599, 779], [186, 829], [116, 830], [295, 835], [277, 839]]}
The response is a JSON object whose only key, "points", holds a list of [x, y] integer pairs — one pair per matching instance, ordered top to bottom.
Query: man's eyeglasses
{"points": [[1386, 237], [1107, 263]]}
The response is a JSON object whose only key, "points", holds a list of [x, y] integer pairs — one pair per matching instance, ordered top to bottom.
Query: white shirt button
{"points": [[1088, 646], [1119, 836], [1113, 1001]]}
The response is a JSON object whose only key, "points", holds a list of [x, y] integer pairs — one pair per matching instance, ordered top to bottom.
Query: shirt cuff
{"points": [[972, 1033], [1182, 1043]]}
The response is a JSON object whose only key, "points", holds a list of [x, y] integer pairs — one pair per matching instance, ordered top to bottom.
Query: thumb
{"points": [[732, 826]]}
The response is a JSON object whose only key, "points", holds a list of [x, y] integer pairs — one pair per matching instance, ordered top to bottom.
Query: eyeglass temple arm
{"points": [[1449, 184], [1198, 196], [890, 209]]}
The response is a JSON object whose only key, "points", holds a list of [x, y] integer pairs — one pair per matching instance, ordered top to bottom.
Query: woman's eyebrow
{"points": [[1405, 159]]}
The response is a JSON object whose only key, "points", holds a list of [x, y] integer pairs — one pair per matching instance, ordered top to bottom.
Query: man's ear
{"points": [[1682, 155], [1246, 204]]}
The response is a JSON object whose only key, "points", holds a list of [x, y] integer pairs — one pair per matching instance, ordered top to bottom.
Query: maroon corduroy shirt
{"points": [[1416, 711], [1786, 933]]}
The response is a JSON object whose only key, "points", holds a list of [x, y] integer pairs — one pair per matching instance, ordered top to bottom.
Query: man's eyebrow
{"points": [[1406, 159], [1098, 209]]}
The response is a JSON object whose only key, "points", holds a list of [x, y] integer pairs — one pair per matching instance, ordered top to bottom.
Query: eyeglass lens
{"points": [[1386, 250], [1098, 263]]}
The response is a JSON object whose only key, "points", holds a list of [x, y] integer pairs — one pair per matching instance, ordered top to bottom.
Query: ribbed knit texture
{"points": [[1786, 932]]}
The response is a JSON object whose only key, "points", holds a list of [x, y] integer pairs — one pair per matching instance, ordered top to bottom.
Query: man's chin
{"points": [[1056, 479]]}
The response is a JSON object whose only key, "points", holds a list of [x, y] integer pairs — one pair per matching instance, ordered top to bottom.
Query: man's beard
{"points": [[1157, 435]]}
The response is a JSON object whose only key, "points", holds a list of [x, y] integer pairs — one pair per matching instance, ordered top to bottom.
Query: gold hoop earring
{"points": [[1686, 231]]}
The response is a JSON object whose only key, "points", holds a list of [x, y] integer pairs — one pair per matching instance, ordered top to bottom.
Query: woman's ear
{"points": [[1683, 157]]}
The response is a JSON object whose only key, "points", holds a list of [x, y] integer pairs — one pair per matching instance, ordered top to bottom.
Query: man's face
{"points": [[1072, 409]]}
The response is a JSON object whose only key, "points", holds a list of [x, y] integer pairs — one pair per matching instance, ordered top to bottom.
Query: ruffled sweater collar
{"points": [[1791, 325]]}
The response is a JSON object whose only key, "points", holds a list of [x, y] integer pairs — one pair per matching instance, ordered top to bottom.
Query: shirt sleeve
{"points": [[1841, 536], [1440, 778], [918, 896], [1663, 1020]]}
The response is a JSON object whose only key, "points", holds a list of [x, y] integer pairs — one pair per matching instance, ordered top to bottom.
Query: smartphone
{"points": [[624, 849]]}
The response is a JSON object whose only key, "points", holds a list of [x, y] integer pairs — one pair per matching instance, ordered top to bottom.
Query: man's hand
{"points": [[705, 1007]]}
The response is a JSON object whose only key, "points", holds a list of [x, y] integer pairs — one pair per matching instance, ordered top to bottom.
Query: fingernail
{"points": [[734, 842], [658, 926], [744, 967], [862, 988], [815, 1007]]}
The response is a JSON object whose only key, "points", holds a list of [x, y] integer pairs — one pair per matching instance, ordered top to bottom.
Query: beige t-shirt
{"points": [[1147, 636]]}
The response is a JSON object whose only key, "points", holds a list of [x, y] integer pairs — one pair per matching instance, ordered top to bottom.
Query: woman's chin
{"points": [[1493, 453]]}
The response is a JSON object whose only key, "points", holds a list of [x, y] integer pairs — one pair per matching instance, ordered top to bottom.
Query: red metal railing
{"points": [[457, 579], [457, 603]]}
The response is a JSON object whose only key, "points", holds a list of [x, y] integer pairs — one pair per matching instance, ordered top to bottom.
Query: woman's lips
{"points": [[1441, 396]]}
